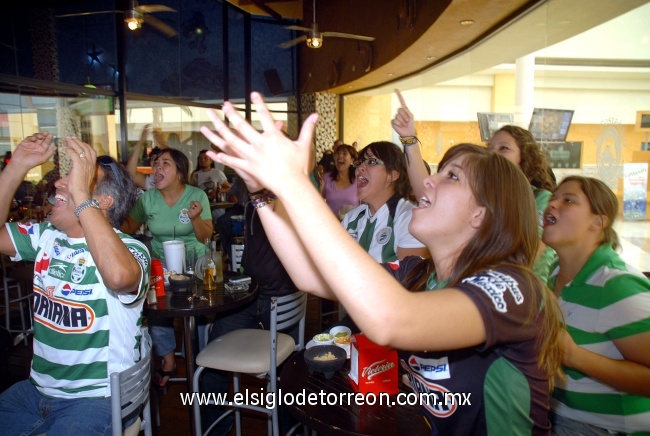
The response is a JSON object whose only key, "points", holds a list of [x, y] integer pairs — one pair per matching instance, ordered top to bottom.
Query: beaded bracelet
{"points": [[409, 140], [258, 194], [263, 200]]}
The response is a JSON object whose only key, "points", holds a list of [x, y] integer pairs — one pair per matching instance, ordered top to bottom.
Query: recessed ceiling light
{"points": [[466, 22], [431, 58], [391, 74], [350, 86]]}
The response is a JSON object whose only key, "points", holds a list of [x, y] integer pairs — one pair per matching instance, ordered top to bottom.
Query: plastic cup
{"points": [[174, 254]]}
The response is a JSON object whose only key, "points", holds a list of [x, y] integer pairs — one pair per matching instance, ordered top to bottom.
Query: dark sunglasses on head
{"points": [[107, 162]]}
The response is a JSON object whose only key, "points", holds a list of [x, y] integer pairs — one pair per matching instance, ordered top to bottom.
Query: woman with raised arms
{"points": [[489, 319]]}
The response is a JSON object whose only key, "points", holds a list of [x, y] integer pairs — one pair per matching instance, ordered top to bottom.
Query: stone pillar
{"points": [[326, 105]]}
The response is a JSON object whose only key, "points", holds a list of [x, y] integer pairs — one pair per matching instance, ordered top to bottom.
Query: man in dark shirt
{"points": [[263, 266]]}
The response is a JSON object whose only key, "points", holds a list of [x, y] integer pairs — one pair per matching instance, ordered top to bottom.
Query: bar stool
{"points": [[13, 296]]}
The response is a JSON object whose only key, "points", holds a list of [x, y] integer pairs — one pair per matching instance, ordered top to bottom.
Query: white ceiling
{"points": [[559, 31]]}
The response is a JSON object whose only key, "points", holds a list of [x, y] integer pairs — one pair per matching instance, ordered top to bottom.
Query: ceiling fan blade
{"points": [[155, 8], [79, 14], [159, 25], [300, 28], [349, 36], [293, 42]]}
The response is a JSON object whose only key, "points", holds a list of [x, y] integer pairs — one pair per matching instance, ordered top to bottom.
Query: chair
{"points": [[236, 256], [12, 285], [254, 351], [130, 393]]}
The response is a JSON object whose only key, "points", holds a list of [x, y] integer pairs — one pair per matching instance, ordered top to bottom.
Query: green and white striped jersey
{"points": [[381, 233], [607, 300], [82, 331]]}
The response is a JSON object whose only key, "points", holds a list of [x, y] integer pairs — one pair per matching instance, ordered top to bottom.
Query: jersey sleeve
{"points": [[221, 177], [542, 197], [138, 212], [206, 213], [403, 237], [25, 238], [142, 256], [400, 269], [504, 298], [626, 299]]}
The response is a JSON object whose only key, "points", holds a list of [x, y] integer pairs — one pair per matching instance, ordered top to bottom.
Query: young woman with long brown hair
{"points": [[489, 319]]}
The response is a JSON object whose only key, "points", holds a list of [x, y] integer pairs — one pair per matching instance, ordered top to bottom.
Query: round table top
{"points": [[221, 204], [180, 304], [345, 419]]}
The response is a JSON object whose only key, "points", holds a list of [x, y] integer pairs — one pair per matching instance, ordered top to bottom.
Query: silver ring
{"points": [[82, 155]]}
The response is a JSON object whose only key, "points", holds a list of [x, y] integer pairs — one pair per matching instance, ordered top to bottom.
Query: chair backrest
{"points": [[291, 309], [285, 312], [130, 389]]}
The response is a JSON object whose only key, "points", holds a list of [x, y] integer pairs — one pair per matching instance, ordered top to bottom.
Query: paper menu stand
{"points": [[373, 368]]}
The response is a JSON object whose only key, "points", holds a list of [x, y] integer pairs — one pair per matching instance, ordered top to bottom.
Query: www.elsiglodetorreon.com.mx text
{"points": [[271, 399]]}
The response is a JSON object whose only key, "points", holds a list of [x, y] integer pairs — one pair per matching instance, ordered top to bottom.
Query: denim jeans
{"points": [[256, 314], [163, 338], [25, 411]]}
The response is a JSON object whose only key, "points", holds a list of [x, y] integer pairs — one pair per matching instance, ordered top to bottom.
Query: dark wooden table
{"points": [[221, 204], [176, 304], [346, 419]]}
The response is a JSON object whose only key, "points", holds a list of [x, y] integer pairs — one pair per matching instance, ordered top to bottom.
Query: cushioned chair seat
{"points": [[244, 351]]}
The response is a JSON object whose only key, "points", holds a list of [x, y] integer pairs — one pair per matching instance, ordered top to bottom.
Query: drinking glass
{"points": [[190, 260]]}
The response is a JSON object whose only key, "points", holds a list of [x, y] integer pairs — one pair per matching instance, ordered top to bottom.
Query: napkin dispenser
{"points": [[373, 368]]}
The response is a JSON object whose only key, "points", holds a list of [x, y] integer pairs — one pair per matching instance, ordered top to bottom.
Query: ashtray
{"points": [[236, 287], [326, 359]]}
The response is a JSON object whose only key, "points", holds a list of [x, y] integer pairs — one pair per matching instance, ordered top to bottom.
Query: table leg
{"points": [[189, 335]]}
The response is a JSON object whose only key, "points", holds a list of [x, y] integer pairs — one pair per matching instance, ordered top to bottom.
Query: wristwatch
{"points": [[91, 202]]}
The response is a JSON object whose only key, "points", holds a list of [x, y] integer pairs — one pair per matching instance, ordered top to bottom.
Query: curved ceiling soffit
{"points": [[416, 42]]}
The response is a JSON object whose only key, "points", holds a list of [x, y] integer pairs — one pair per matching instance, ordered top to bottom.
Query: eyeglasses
{"points": [[107, 162], [370, 162]]}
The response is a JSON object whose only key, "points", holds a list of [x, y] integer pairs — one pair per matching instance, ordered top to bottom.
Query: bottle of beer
{"points": [[209, 268]]}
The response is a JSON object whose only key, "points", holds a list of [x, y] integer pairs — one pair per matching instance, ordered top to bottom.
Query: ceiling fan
{"points": [[136, 15], [314, 37]]}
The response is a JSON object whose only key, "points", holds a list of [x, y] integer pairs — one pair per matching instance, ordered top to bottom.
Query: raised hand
{"points": [[404, 122], [145, 133], [33, 150], [269, 158], [82, 174], [195, 209]]}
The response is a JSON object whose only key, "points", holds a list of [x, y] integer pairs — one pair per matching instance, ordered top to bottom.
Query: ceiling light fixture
{"points": [[133, 19], [466, 22], [315, 40], [431, 58]]}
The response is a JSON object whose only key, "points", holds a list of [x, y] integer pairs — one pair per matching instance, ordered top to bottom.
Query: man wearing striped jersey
{"points": [[89, 282]]}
